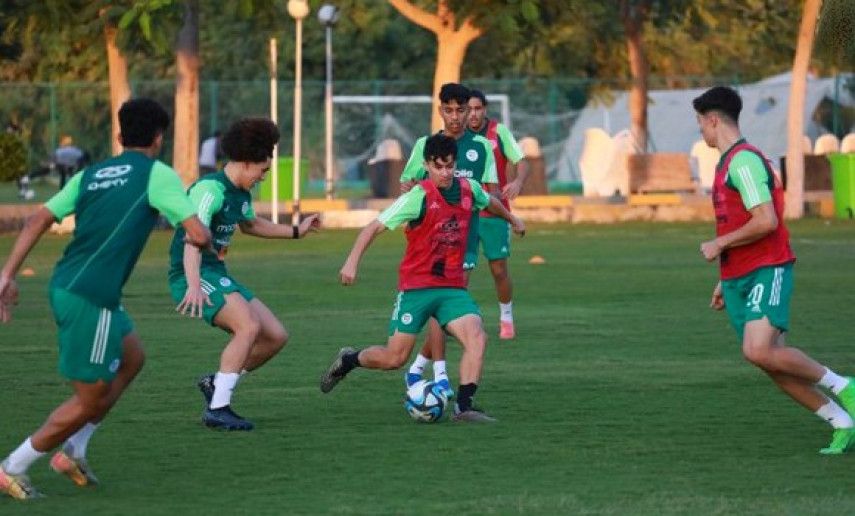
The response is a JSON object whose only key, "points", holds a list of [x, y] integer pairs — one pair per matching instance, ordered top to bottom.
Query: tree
{"points": [[633, 14], [452, 41], [117, 71], [796, 109], [185, 153]]}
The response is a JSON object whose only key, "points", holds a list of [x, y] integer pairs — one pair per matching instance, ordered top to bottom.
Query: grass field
{"points": [[623, 394]]}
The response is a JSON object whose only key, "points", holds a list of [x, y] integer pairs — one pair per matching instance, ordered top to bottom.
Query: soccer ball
{"points": [[425, 401]]}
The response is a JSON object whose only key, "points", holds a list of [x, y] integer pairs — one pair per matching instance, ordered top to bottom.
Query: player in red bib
{"points": [[753, 248], [431, 280]]}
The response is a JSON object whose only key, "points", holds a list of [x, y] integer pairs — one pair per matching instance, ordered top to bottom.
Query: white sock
{"points": [[506, 311], [419, 364], [439, 372], [833, 381], [224, 384], [835, 415], [77, 443], [20, 460]]}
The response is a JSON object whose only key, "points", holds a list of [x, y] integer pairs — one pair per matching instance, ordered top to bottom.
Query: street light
{"points": [[298, 9], [328, 15]]}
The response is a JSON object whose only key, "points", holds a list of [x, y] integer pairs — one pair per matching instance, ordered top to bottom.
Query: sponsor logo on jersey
{"points": [[472, 155], [113, 172], [464, 173], [106, 184], [226, 228]]}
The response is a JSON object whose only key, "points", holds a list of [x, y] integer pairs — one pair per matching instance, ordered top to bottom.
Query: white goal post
{"points": [[502, 99]]}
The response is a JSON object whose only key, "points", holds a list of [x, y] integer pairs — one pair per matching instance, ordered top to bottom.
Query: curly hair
{"points": [[250, 140]]}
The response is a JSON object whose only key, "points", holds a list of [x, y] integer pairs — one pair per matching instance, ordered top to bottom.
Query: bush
{"points": [[13, 157]]}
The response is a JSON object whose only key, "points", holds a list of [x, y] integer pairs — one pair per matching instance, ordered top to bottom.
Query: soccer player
{"points": [[474, 160], [116, 203], [493, 232], [756, 262], [431, 280], [201, 284]]}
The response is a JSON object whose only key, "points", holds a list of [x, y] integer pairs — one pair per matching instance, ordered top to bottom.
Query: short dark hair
{"points": [[454, 91], [478, 94], [722, 99], [140, 121], [250, 140], [440, 146]]}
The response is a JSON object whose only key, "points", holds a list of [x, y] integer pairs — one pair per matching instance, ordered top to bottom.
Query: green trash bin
{"points": [[286, 181], [843, 184]]}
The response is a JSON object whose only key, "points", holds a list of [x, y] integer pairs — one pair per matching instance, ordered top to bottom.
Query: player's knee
{"points": [[249, 328], [280, 337], [757, 355]]}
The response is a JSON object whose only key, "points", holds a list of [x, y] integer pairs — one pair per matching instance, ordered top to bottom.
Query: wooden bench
{"points": [[660, 172]]}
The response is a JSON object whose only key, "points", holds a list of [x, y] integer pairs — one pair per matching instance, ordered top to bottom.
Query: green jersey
{"points": [[474, 160], [747, 174], [116, 204], [221, 206], [410, 207]]}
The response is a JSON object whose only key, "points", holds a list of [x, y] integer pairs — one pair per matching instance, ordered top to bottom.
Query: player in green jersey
{"points": [[474, 161], [116, 204], [493, 232], [200, 283]]}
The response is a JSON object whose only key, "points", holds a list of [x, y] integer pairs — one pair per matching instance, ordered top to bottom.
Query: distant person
{"points": [[209, 154], [68, 159], [116, 203], [493, 232], [753, 248], [200, 282]]}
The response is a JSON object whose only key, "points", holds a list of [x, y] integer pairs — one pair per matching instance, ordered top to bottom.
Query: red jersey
{"points": [[492, 135], [730, 215], [435, 248]]}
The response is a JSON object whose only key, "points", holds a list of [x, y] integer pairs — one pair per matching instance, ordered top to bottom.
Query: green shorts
{"points": [[495, 235], [470, 259], [216, 284], [764, 292], [413, 308], [90, 337]]}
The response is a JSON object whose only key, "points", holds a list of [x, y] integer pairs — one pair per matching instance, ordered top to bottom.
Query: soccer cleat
{"points": [[506, 330], [334, 372], [410, 379], [206, 385], [446, 388], [847, 397], [473, 415], [224, 418], [842, 440], [75, 469], [17, 486]]}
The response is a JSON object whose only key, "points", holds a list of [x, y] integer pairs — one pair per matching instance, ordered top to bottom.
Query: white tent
{"points": [[672, 126]]}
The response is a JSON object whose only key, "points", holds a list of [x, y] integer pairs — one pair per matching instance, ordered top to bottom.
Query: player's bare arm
{"points": [[513, 188], [497, 208], [763, 221], [266, 229], [33, 230], [197, 234], [366, 236], [195, 298], [717, 301]]}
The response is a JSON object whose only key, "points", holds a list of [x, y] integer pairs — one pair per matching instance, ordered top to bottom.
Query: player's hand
{"points": [[406, 186], [511, 190], [310, 223], [518, 226], [711, 250], [347, 274], [8, 298], [194, 301], [717, 301]]}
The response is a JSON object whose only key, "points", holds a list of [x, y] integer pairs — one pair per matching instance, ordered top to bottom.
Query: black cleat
{"points": [[335, 373], [206, 385], [224, 418]]}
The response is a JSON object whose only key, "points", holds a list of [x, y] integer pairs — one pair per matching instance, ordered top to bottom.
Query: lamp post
{"points": [[298, 9], [328, 16], [274, 116]]}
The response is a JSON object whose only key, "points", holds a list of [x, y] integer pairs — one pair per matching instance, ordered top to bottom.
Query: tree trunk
{"points": [[633, 17], [451, 44], [120, 90], [796, 111], [185, 151]]}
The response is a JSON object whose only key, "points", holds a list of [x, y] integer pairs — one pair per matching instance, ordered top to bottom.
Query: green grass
{"points": [[623, 394]]}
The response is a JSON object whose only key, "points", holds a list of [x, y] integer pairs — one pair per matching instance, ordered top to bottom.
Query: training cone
{"points": [[536, 260], [28, 271]]}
